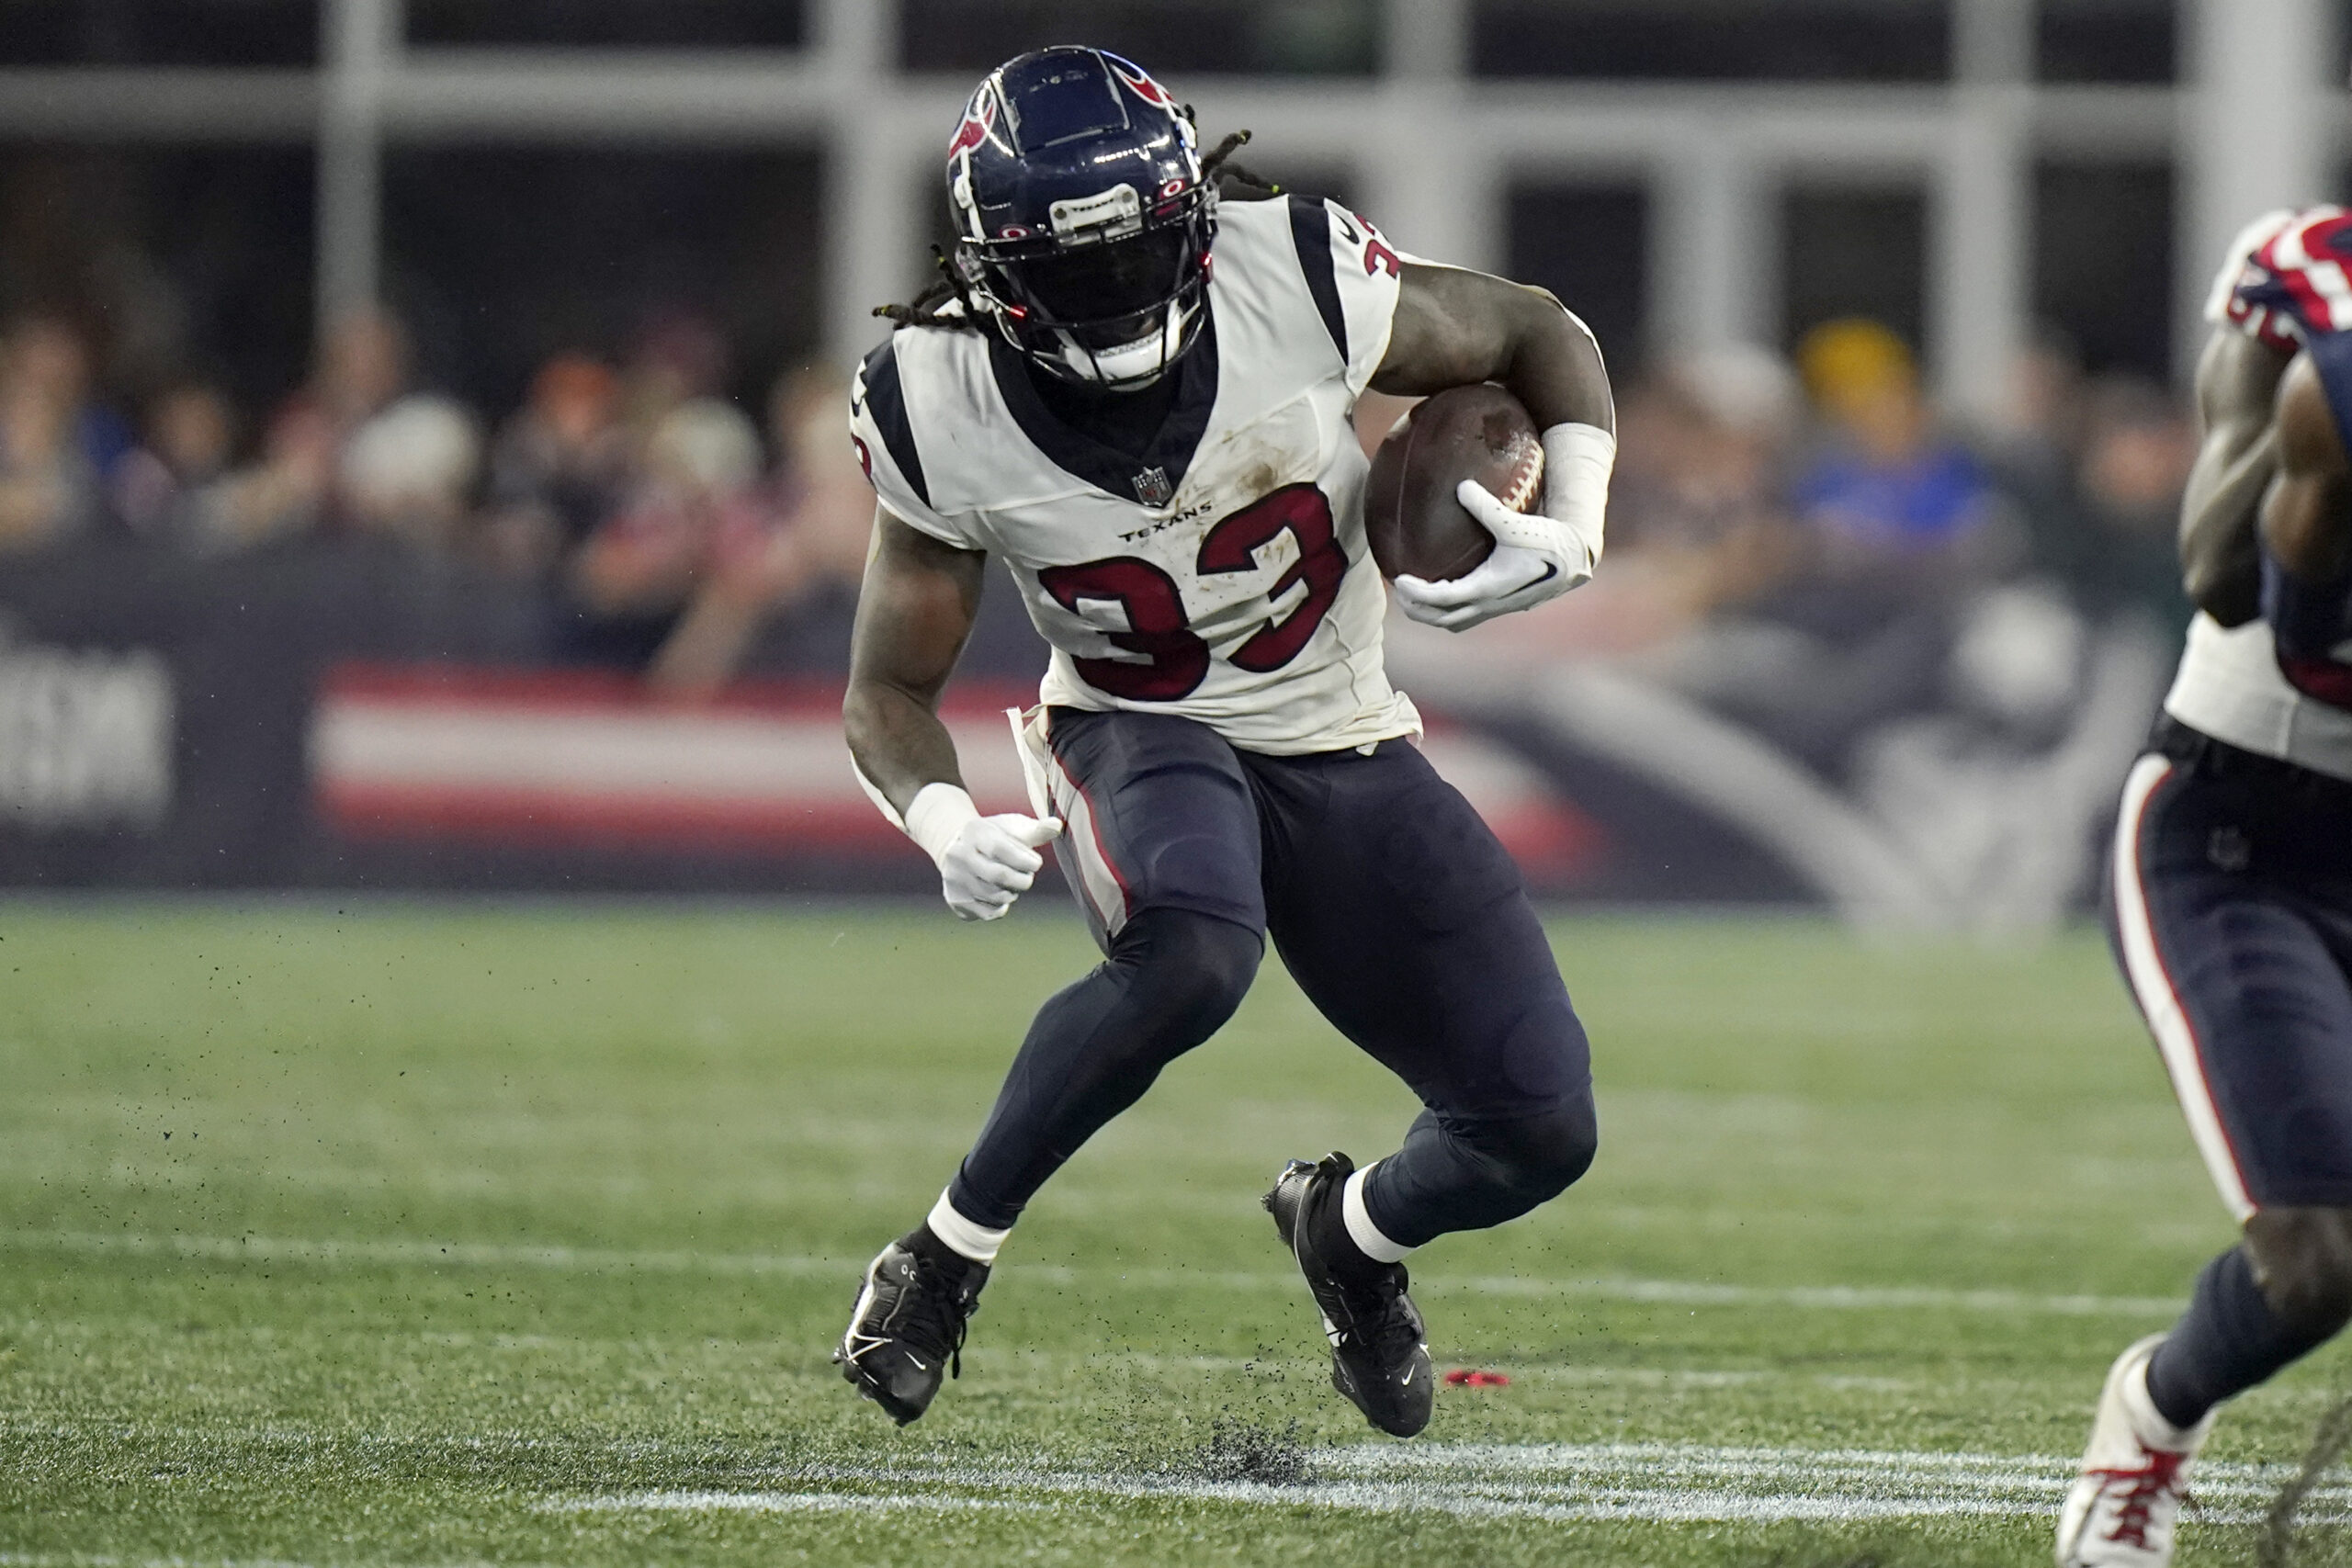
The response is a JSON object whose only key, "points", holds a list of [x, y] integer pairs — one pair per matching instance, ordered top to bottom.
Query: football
{"points": [[1411, 519]]}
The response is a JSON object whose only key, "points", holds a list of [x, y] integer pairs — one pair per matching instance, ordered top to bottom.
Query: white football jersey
{"points": [[2284, 273], [1222, 577]]}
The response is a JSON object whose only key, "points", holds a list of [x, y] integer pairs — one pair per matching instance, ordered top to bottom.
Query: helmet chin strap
{"points": [[1129, 366]]}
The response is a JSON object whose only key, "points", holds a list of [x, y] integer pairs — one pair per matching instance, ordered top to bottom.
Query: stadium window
{"points": [[609, 24], [143, 32], [1168, 38], [1787, 40], [2104, 41], [2086, 215], [1587, 243], [1853, 252], [500, 257], [172, 261]]}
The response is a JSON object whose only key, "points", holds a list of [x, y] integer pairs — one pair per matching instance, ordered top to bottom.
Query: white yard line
{"points": [[497, 1255], [1655, 1482], [784, 1503], [100, 1560]]}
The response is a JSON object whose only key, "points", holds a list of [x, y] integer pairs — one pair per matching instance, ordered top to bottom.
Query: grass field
{"points": [[425, 1235]]}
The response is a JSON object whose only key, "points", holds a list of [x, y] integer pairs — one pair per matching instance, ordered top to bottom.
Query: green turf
{"points": [[602, 1179]]}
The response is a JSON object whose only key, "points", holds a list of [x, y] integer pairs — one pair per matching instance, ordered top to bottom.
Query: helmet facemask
{"points": [[1112, 300]]}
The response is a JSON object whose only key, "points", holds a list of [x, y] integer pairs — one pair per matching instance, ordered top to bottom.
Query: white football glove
{"points": [[1538, 555], [985, 862]]}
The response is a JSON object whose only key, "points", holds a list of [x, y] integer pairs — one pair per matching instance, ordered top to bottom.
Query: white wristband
{"points": [[1577, 459], [1576, 463], [936, 815]]}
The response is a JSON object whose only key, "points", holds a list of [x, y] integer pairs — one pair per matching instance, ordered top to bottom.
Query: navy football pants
{"points": [[1392, 906], [2231, 912], [2232, 916]]}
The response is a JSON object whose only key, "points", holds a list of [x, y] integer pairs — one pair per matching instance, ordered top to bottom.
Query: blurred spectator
{"points": [[676, 356], [56, 358], [362, 366], [2037, 434], [54, 448], [559, 467], [408, 471], [293, 486], [1887, 488], [168, 489], [287, 490], [1699, 505], [792, 545], [2112, 548], [633, 578], [1855, 623]]}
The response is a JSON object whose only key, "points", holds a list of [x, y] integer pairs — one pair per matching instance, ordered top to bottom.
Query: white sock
{"points": [[1361, 1229], [963, 1236], [2150, 1424]]}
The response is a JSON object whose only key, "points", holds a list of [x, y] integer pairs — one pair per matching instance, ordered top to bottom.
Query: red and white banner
{"points": [[434, 752]]}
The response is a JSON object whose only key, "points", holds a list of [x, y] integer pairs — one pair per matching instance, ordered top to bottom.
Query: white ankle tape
{"points": [[1361, 1229], [976, 1242], [2151, 1425]]}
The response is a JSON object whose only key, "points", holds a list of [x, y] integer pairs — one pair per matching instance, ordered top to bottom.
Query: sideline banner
{"points": [[343, 716], [440, 755]]}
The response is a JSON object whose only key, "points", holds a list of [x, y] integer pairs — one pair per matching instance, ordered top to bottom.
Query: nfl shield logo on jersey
{"points": [[1152, 487]]}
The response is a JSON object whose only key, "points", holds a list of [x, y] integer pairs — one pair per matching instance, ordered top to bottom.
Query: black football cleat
{"points": [[907, 1330], [1380, 1352]]}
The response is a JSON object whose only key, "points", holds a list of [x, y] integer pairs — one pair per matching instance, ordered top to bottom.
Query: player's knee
{"points": [[1194, 968], [1539, 1156], [2302, 1260]]}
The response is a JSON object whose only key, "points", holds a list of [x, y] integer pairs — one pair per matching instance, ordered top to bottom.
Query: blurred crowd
{"points": [[1825, 497], [667, 528], [1907, 654], [1911, 656]]}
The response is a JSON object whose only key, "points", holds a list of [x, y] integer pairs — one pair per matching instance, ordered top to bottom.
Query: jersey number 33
{"points": [[1173, 657]]}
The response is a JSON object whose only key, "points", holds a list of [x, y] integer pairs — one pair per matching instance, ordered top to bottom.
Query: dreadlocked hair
{"points": [[1219, 165], [923, 310]]}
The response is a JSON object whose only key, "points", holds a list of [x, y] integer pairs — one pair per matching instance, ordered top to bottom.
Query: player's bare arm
{"points": [[1455, 328], [2237, 384], [2307, 512], [914, 611]]}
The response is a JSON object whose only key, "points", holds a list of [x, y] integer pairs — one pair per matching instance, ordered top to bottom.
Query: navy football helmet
{"points": [[1084, 218]]}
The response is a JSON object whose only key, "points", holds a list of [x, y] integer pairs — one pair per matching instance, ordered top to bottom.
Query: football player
{"points": [[1137, 399], [2231, 898]]}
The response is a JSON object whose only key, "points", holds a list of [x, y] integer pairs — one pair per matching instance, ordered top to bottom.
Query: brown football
{"points": [[1411, 519]]}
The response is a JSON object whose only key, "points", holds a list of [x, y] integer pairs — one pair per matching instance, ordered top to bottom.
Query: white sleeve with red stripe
{"points": [[1368, 273], [2285, 280]]}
